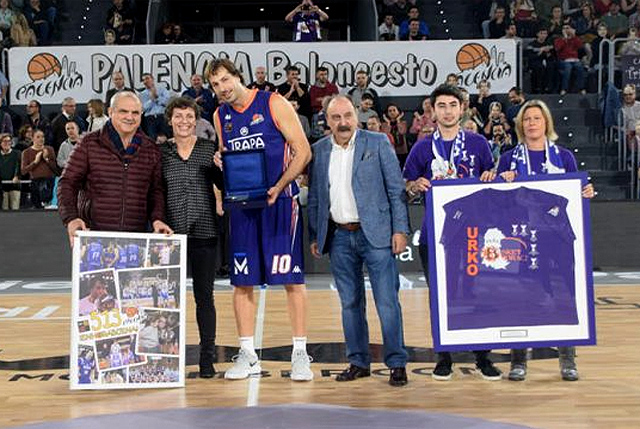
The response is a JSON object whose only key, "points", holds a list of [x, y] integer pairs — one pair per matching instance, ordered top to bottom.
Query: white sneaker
{"points": [[244, 365], [300, 366]]}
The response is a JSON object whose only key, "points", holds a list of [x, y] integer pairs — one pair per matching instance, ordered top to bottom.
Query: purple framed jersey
{"points": [[510, 263]]}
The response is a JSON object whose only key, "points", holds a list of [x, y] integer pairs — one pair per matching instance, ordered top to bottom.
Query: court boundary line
{"points": [[253, 390]]}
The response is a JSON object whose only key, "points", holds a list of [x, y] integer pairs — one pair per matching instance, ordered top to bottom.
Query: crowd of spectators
{"points": [[400, 20], [27, 22], [171, 33], [567, 35], [563, 38], [38, 151]]}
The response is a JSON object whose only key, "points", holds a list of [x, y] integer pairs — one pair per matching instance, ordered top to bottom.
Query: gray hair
{"points": [[122, 94], [341, 97]]}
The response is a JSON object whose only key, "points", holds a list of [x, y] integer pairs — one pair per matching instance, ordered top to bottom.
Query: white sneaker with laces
{"points": [[244, 365], [300, 366]]}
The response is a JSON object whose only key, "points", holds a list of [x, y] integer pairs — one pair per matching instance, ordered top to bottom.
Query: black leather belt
{"points": [[351, 226]]}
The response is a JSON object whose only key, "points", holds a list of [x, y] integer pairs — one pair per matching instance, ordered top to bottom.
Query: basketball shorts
{"points": [[266, 245]]}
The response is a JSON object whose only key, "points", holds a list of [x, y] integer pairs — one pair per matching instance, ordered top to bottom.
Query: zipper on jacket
{"points": [[124, 191]]}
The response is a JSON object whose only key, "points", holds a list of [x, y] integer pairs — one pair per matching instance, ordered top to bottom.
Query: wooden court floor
{"points": [[608, 394]]}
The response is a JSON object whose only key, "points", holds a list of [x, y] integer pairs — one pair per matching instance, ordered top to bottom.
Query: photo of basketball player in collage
{"points": [[127, 311]]}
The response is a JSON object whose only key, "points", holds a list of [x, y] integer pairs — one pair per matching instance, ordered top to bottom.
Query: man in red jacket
{"points": [[568, 49], [113, 179]]}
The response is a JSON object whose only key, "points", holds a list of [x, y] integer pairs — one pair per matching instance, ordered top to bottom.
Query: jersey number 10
{"points": [[281, 264]]}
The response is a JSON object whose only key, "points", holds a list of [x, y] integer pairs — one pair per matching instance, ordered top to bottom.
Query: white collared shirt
{"points": [[343, 203]]}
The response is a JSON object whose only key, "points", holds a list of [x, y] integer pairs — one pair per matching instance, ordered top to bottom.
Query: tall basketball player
{"points": [[266, 243]]}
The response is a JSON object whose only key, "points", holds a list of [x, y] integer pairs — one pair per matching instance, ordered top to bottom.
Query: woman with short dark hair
{"points": [[189, 174]]}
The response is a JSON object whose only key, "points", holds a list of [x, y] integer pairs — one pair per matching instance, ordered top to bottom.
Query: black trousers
{"points": [[41, 192], [423, 251], [201, 256]]}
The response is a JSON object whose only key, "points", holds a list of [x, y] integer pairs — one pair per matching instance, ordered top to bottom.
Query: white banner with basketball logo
{"points": [[49, 74]]}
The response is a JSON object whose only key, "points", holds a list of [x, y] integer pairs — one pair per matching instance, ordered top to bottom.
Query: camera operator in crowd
{"points": [[306, 18]]}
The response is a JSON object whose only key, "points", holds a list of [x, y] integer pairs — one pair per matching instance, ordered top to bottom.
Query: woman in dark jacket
{"points": [[189, 174]]}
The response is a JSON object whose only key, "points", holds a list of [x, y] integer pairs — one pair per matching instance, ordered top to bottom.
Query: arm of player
{"points": [[216, 123], [289, 125], [312, 208]]}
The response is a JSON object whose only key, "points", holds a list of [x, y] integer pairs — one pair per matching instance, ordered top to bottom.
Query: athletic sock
{"points": [[246, 343], [299, 343]]}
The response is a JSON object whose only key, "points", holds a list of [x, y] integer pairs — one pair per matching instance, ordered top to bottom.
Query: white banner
{"points": [[49, 74], [128, 311]]}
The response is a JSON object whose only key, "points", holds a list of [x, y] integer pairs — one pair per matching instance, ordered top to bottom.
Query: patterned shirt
{"points": [[191, 204]]}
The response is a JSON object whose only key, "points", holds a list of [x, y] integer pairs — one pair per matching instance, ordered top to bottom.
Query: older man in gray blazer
{"points": [[358, 214]]}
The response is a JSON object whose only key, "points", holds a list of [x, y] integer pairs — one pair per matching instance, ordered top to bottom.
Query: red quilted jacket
{"points": [[108, 193]]}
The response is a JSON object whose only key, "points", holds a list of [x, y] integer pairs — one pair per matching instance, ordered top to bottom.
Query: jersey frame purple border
{"points": [[435, 282]]}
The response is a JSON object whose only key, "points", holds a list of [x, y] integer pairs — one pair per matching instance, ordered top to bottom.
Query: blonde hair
{"points": [[550, 130]]}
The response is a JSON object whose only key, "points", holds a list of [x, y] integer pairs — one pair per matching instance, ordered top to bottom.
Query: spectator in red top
{"points": [[602, 6], [568, 49], [321, 89], [39, 161]]}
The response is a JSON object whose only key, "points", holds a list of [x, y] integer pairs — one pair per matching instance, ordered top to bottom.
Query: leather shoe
{"points": [[352, 373], [398, 377]]}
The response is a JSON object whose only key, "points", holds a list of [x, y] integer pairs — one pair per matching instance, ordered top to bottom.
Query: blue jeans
{"points": [[564, 68], [349, 252]]}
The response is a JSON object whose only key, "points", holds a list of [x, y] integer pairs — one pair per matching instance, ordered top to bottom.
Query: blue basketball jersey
{"points": [[255, 128], [94, 252], [134, 255], [123, 258], [510, 260], [115, 359], [85, 366]]}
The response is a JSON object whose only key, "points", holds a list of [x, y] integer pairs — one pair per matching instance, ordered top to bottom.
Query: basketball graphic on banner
{"points": [[471, 56], [43, 65]]}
